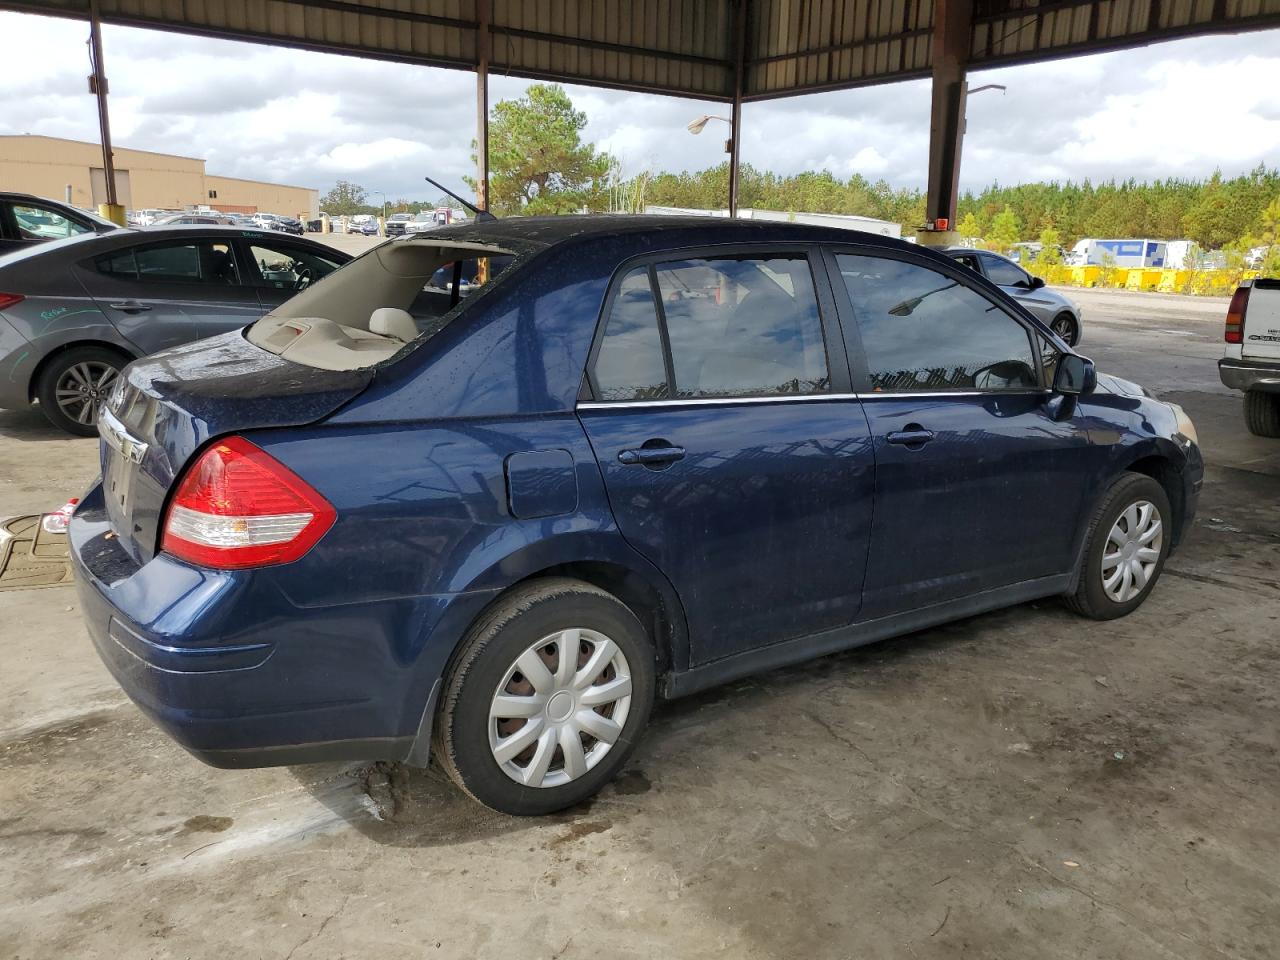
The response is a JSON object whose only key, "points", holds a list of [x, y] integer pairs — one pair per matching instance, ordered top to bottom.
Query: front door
{"points": [[280, 269], [734, 456], [977, 485]]}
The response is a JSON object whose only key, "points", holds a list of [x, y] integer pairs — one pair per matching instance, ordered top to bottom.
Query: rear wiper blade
{"points": [[479, 214]]}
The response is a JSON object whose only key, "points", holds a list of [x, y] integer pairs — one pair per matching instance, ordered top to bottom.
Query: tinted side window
{"points": [[968, 260], [199, 261], [1004, 273], [743, 327], [922, 330], [630, 365]]}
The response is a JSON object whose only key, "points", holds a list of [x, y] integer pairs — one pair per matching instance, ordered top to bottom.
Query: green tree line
{"points": [[1216, 211]]}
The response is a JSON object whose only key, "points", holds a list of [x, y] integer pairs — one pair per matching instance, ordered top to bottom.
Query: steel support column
{"points": [[951, 33], [98, 86], [482, 103], [735, 122]]}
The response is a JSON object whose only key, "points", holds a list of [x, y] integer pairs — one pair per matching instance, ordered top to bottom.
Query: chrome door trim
{"points": [[807, 398], [709, 401]]}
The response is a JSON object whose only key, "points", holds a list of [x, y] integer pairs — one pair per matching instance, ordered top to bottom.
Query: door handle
{"points": [[129, 306], [912, 436], [650, 456]]}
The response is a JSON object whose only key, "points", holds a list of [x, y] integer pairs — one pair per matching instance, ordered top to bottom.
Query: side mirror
{"points": [[1037, 283], [1076, 376]]}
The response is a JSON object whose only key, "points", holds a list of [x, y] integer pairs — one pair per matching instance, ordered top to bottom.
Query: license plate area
{"points": [[123, 453]]}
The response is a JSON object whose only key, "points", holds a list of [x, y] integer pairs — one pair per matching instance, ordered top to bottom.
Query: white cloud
{"points": [[1175, 109]]}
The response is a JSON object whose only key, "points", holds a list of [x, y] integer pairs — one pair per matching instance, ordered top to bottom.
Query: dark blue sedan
{"points": [[652, 455]]}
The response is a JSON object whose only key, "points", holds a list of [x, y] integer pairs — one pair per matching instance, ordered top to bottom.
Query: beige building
{"points": [[72, 170]]}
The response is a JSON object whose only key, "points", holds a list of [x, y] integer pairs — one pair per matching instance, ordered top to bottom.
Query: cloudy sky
{"points": [[1173, 109]]}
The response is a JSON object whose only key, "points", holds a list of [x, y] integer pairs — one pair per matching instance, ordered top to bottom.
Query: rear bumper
{"points": [[1250, 374], [240, 676]]}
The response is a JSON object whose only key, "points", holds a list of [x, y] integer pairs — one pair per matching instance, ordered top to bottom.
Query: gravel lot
{"points": [[1024, 784]]}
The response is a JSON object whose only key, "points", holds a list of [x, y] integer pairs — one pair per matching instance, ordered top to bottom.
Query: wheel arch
{"points": [[39, 369], [1163, 471], [606, 561]]}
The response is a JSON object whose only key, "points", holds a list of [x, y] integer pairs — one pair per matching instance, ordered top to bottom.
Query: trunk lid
{"points": [[1261, 340], [166, 406]]}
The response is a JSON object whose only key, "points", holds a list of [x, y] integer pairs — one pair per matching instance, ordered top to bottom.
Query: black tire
{"points": [[1067, 327], [61, 368], [1262, 413], [1090, 598], [495, 641]]}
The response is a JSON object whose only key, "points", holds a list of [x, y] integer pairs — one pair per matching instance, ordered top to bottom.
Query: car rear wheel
{"points": [[1066, 327], [75, 384], [1262, 413], [1128, 542], [546, 698]]}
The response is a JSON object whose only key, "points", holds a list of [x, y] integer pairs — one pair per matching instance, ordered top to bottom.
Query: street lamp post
{"points": [[730, 147]]}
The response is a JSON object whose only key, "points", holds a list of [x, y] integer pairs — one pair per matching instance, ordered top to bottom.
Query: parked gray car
{"points": [[26, 221], [1049, 306], [74, 312]]}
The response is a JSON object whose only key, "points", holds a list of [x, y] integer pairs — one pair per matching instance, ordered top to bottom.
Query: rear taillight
{"points": [[10, 300], [1235, 316], [239, 507]]}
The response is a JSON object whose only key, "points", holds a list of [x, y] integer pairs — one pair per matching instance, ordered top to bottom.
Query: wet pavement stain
{"points": [[207, 824]]}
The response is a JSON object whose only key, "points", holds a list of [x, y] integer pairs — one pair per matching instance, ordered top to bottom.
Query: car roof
{"points": [[668, 230], [85, 245]]}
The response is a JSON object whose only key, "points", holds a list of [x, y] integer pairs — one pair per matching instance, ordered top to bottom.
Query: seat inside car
{"points": [[393, 322]]}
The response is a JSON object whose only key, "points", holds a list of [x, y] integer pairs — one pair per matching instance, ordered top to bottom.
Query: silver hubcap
{"points": [[1062, 327], [83, 388], [1133, 547], [560, 708]]}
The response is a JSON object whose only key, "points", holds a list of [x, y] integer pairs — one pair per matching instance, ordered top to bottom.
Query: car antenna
{"points": [[480, 215]]}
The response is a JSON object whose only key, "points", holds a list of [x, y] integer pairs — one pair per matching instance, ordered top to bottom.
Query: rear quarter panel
{"points": [[44, 324], [425, 536]]}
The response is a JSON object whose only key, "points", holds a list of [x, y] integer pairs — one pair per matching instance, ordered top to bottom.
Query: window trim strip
{"points": [[802, 398]]}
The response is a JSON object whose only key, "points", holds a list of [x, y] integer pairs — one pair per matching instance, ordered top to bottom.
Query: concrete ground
{"points": [[1024, 784]]}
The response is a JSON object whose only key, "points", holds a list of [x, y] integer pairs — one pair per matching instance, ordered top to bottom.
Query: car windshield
{"points": [[425, 217]]}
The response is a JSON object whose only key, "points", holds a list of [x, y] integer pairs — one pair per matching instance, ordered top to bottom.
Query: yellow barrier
{"points": [[1208, 283]]}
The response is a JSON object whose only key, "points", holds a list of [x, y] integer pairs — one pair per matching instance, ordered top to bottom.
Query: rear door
{"points": [[278, 269], [167, 292], [734, 455], [977, 485]]}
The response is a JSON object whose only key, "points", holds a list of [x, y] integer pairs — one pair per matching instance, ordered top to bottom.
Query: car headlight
{"points": [[1186, 429]]}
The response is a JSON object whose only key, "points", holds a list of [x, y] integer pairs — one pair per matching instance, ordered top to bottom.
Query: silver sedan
{"points": [[1049, 306]]}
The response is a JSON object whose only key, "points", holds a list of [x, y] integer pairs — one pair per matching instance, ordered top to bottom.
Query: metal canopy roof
{"points": [[684, 47]]}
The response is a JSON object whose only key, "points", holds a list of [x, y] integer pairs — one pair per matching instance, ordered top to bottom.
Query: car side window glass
{"points": [[41, 223], [968, 260], [200, 262], [286, 267], [1003, 273], [743, 326], [924, 331], [630, 363]]}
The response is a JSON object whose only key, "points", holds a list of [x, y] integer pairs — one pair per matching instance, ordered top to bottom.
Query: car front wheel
{"points": [[1128, 542], [546, 698]]}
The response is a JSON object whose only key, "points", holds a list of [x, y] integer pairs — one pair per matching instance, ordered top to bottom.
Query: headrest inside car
{"points": [[393, 322]]}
